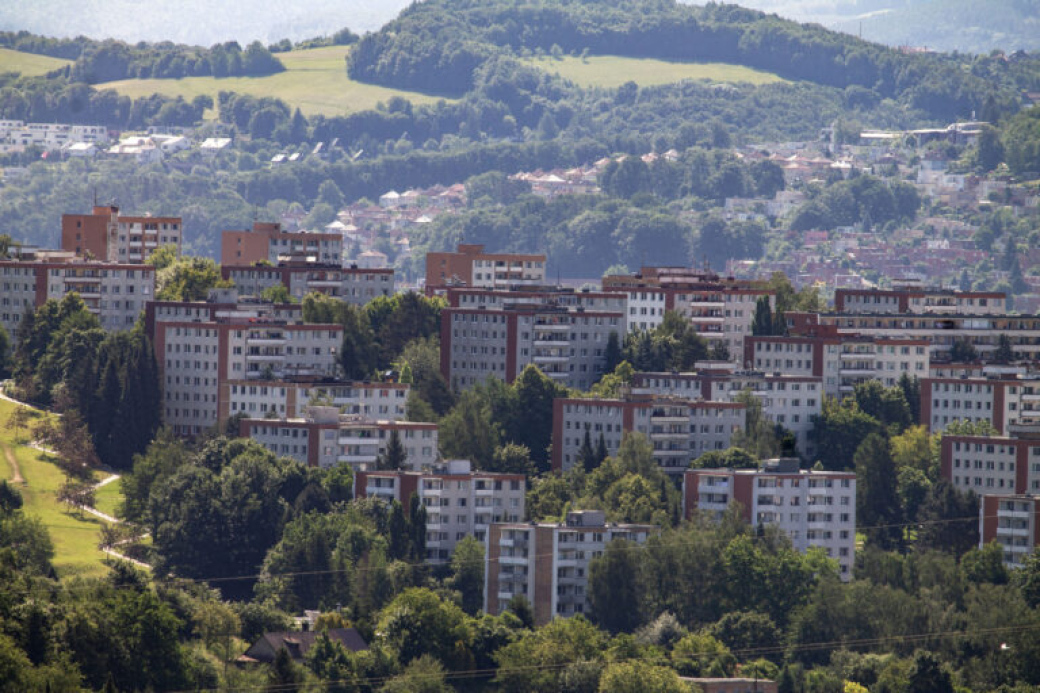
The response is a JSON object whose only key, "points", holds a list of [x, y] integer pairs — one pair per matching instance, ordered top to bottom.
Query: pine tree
{"points": [[762, 325], [612, 354], [601, 449], [395, 455], [586, 455], [417, 526]]}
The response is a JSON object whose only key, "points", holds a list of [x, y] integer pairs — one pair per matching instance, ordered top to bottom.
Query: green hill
{"points": [[28, 64], [315, 81]]}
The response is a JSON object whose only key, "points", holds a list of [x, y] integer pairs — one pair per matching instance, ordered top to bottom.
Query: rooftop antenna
{"points": [[95, 196]]}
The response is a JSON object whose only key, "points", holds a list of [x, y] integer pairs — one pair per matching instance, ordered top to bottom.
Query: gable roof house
{"points": [[298, 643]]}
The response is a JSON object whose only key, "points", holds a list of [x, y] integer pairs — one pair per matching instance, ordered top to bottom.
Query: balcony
{"points": [[707, 305], [551, 326], [265, 341], [550, 342], [265, 358], [550, 358], [865, 372], [359, 440], [356, 459]]}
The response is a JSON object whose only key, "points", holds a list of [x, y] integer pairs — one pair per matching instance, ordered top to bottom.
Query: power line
{"points": [[742, 653]]}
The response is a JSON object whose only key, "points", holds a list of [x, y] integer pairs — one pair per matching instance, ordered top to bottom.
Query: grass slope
{"points": [[28, 64], [613, 71], [315, 81], [75, 535]]}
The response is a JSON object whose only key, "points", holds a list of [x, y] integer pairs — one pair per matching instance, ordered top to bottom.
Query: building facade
{"points": [[109, 236], [267, 242], [470, 266], [350, 284], [116, 293], [721, 310], [498, 333], [201, 346], [287, 399], [680, 430], [323, 437], [459, 501], [814, 509], [1013, 521], [548, 563]]}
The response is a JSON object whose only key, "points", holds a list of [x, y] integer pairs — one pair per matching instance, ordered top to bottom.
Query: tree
{"points": [[187, 279], [277, 294], [763, 324], [963, 351], [612, 353], [1004, 353], [5, 354], [886, 404], [839, 430], [759, 436], [586, 455], [395, 456], [512, 459], [877, 496], [949, 519], [467, 574], [614, 591], [417, 622], [535, 661], [284, 672], [422, 675], [928, 675], [641, 677]]}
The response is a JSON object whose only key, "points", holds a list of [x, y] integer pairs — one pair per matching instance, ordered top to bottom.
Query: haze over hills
{"points": [[242, 20], [946, 25], [963, 25]]}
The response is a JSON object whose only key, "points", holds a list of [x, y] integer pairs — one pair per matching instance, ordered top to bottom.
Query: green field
{"points": [[28, 64], [613, 71], [315, 81], [109, 497], [75, 535]]}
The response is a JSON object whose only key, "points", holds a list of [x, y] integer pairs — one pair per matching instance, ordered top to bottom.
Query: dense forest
{"points": [[104, 61]]}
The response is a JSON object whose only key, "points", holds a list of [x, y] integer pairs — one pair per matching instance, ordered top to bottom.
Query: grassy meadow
{"points": [[28, 64], [613, 71], [315, 81], [75, 534]]}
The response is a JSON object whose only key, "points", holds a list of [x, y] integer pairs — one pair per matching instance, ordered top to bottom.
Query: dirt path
{"points": [[16, 471]]}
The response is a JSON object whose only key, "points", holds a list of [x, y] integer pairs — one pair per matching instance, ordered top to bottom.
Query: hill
{"points": [[28, 64], [612, 71], [315, 81]]}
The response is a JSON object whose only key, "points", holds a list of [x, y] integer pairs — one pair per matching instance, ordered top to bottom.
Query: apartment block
{"points": [[107, 235], [267, 242], [470, 266], [352, 284], [116, 293], [913, 298], [720, 309], [940, 330], [499, 333], [200, 345], [842, 361], [287, 399], [1003, 400], [792, 401], [680, 430], [324, 437], [997, 464], [459, 501], [814, 509], [1013, 521], [548, 563]]}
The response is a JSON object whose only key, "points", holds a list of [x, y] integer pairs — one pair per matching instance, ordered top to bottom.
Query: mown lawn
{"points": [[28, 64], [613, 71], [315, 81], [109, 497], [75, 535]]}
